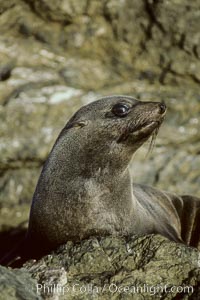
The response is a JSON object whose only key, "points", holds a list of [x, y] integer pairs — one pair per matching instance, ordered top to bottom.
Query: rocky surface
{"points": [[58, 55], [149, 267], [17, 284]]}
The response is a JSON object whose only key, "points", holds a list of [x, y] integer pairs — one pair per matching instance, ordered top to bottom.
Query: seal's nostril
{"points": [[162, 107]]}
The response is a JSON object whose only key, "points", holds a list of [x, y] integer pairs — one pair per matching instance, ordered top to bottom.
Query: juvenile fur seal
{"points": [[85, 188]]}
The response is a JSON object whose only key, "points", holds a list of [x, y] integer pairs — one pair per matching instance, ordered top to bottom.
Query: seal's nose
{"points": [[162, 107]]}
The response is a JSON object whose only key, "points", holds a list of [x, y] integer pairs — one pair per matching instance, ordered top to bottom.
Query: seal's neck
{"points": [[84, 179], [97, 194]]}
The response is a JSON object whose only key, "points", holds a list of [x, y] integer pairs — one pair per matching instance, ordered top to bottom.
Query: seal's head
{"points": [[113, 125]]}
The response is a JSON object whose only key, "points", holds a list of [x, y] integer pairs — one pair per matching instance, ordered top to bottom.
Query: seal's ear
{"points": [[78, 124]]}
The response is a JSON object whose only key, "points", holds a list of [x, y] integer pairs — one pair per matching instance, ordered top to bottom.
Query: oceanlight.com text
{"points": [[112, 288]]}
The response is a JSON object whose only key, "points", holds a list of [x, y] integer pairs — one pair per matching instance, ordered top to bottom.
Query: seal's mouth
{"points": [[146, 129], [141, 132]]}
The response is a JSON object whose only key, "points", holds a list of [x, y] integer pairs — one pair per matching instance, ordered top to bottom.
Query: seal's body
{"points": [[85, 188]]}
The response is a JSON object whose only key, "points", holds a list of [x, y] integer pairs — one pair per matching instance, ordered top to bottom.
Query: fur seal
{"points": [[85, 188]]}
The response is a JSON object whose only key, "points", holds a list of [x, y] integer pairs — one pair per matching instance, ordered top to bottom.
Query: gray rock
{"points": [[61, 10], [116, 268], [17, 285]]}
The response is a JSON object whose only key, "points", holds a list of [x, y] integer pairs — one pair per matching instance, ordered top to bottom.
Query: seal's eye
{"points": [[120, 109]]}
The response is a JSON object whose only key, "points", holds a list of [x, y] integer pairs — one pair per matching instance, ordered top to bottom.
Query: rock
{"points": [[60, 11], [5, 71], [87, 74], [108, 268], [119, 268], [17, 284]]}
